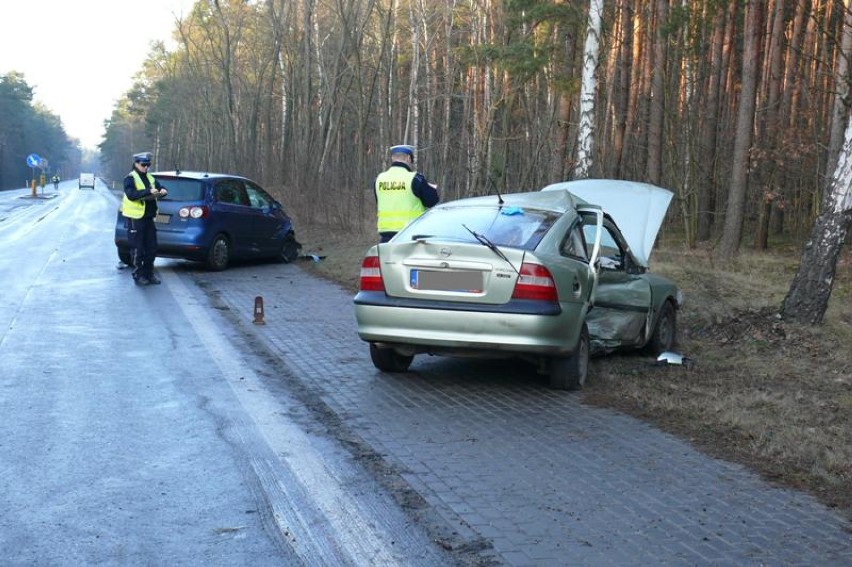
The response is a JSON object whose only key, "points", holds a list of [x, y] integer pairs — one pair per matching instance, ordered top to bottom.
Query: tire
{"points": [[290, 249], [219, 254], [124, 256], [664, 336], [388, 360], [569, 373]]}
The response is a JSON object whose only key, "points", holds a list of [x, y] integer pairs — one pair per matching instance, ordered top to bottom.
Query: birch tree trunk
{"points": [[841, 90], [586, 132], [810, 290], [807, 299]]}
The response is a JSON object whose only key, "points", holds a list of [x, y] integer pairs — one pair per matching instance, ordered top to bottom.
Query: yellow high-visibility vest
{"points": [[396, 202], [136, 209]]}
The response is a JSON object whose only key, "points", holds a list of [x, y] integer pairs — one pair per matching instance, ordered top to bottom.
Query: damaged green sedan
{"points": [[551, 276]]}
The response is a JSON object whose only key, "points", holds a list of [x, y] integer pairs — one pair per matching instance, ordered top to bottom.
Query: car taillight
{"points": [[193, 212], [371, 275], [535, 282]]}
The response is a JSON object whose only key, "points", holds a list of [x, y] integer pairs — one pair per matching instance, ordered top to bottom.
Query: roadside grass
{"points": [[770, 395]]}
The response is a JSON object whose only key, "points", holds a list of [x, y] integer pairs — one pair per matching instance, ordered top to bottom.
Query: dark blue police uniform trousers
{"points": [[142, 237]]}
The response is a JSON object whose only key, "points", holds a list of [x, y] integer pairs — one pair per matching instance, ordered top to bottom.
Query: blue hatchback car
{"points": [[215, 218]]}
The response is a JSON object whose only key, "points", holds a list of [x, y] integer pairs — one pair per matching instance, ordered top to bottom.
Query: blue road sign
{"points": [[33, 160]]}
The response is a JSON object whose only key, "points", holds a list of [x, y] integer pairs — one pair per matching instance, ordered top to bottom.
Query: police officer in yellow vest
{"points": [[402, 193], [139, 207]]}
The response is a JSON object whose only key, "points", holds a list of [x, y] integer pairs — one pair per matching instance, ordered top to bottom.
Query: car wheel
{"points": [[290, 249], [219, 254], [124, 256], [665, 331], [388, 360], [570, 373]]}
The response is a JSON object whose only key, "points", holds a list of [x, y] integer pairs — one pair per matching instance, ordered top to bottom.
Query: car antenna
{"points": [[177, 169], [496, 191]]}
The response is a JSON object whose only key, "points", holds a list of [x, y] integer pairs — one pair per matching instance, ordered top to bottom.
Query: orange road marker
{"points": [[258, 311]]}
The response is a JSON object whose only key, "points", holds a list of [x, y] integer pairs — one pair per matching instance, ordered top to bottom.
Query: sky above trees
{"points": [[81, 57]]}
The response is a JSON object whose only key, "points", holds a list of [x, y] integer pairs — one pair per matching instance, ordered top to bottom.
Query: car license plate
{"points": [[164, 219], [466, 281]]}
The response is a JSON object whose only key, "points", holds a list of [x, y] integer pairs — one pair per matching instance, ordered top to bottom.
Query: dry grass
{"points": [[774, 396]]}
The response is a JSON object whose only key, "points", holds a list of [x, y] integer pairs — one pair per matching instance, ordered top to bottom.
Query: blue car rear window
{"points": [[182, 189]]}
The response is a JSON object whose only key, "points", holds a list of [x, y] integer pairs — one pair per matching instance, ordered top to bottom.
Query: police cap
{"points": [[402, 149], [143, 158]]}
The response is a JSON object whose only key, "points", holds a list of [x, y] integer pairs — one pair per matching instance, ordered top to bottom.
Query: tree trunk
{"points": [[792, 75], [621, 101], [839, 108], [655, 122], [708, 125], [586, 132], [761, 241], [730, 243], [807, 300]]}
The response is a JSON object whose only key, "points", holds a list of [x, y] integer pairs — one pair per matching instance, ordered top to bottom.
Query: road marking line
{"points": [[337, 528]]}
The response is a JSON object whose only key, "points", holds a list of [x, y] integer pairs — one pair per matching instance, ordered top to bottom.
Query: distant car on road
{"points": [[86, 180], [215, 218], [546, 276]]}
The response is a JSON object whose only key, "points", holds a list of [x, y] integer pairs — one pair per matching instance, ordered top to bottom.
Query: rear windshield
{"points": [[182, 189], [504, 226]]}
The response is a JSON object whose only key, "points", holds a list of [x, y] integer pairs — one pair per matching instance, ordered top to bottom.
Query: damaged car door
{"points": [[622, 303]]}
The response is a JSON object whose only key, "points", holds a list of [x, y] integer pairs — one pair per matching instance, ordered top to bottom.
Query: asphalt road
{"points": [[161, 425], [136, 431]]}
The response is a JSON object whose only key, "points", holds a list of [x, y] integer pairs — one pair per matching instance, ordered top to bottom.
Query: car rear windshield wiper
{"points": [[490, 245]]}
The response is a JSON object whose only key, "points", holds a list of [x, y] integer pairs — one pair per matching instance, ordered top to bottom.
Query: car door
{"points": [[230, 209], [268, 219], [574, 273], [622, 301]]}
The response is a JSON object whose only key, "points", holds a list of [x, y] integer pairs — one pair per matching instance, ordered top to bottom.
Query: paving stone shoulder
{"points": [[521, 474]]}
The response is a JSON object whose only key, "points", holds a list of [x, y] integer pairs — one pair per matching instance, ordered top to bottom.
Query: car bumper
{"points": [[191, 243], [186, 244], [510, 329]]}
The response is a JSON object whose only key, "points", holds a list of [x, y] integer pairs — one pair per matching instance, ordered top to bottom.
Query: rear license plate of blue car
{"points": [[163, 219], [467, 281]]}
